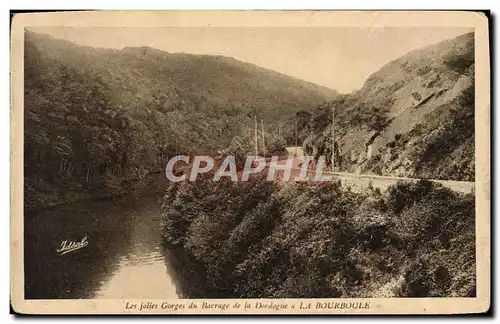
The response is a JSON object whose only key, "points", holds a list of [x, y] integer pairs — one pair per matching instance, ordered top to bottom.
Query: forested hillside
{"points": [[414, 117], [95, 118], [316, 240]]}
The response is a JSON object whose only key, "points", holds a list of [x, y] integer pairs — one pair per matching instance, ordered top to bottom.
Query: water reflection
{"points": [[124, 257], [141, 271]]}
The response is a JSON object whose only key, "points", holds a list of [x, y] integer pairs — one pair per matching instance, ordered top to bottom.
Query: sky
{"points": [[340, 58]]}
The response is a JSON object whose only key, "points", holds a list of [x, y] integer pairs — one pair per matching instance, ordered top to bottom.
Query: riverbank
{"points": [[44, 195], [259, 240]]}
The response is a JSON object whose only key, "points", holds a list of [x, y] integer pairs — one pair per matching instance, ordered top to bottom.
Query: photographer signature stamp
{"points": [[70, 246]]}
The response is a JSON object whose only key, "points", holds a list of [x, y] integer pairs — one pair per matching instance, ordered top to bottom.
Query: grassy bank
{"points": [[259, 239]]}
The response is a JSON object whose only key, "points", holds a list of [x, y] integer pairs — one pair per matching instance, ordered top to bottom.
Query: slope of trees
{"points": [[96, 118], [73, 134], [319, 241]]}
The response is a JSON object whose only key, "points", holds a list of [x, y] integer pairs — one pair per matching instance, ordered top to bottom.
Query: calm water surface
{"points": [[124, 257]]}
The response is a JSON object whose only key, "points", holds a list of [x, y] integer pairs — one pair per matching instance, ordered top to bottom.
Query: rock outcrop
{"points": [[413, 118]]}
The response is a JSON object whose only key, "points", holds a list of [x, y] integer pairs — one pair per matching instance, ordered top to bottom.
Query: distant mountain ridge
{"points": [[168, 82], [95, 116], [414, 117]]}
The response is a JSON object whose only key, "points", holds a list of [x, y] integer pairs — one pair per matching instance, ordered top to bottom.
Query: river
{"points": [[124, 257]]}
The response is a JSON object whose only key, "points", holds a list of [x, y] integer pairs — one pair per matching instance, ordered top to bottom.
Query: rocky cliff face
{"points": [[414, 117]]}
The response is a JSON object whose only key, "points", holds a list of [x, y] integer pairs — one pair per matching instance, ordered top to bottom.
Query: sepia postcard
{"points": [[250, 162]]}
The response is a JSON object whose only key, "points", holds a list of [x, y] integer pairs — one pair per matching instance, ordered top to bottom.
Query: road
{"points": [[360, 182]]}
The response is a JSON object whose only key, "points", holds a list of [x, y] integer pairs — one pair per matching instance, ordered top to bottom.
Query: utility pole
{"points": [[256, 134], [296, 135], [263, 137], [333, 138], [176, 140]]}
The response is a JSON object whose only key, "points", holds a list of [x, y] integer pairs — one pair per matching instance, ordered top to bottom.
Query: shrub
{"points": [[277, 147], [256, 240]]}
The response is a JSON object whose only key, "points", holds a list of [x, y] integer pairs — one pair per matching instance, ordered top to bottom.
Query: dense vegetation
{"points": [[97, 118], [454, 140], [317, 240]]}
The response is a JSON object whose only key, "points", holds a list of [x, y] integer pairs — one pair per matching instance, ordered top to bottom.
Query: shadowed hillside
{"points": [[414, 117], [95, 118], [320, 241]]}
